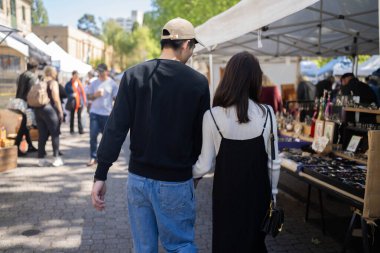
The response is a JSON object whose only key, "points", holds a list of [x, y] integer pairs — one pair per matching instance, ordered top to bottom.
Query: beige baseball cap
{"points": [[179, 29]]}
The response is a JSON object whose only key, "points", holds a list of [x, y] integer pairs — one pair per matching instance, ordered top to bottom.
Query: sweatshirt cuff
{"points": [[102, 170]]}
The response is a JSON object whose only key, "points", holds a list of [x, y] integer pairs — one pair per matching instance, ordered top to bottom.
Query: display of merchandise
{"points": [[321, 109], [328, 110], [315, 116], [345, 174]]}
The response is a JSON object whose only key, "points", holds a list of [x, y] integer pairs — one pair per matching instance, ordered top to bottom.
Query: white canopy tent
{"points": [[290, 28], [293, 28], [38, 43], [67, 62], [369, 66], [364, 69]]}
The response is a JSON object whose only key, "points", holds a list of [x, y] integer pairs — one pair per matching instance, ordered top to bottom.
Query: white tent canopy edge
{"points": [[244, 17]]}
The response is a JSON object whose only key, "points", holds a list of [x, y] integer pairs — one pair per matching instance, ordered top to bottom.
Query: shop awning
{"points": [[294, 28], [7, 31], [15, 44], [34, 52]]}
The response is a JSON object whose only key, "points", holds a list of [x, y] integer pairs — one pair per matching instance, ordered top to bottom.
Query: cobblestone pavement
{"points": [[49, 209]]}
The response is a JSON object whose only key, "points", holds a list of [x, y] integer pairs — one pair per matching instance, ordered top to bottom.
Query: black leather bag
{"points": [[70, 104], [275, 217], [273, 221]]}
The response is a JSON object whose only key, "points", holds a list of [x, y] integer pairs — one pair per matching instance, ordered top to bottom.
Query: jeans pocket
{"points": [[135, 192], [176, 197]]}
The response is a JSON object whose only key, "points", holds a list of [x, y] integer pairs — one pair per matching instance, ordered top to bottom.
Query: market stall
{"points": [[290, 28], [343, 158]]}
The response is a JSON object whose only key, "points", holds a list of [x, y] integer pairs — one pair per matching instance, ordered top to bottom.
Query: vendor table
{"points": [[352, 197]]}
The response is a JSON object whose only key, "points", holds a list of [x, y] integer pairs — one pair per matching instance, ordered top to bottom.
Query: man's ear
{"points": [[186, 45]]}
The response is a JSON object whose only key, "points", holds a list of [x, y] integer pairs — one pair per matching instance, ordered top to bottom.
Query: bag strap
{"points": [[265, 123], [217, 127], [271, 136], [272, 151]]}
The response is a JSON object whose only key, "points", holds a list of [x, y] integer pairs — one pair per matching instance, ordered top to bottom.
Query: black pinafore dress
{"points": [[241, 195]]}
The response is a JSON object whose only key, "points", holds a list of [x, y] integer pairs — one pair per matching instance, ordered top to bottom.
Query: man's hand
{"points": [[99, 93], [60, 116], [97, 195]]}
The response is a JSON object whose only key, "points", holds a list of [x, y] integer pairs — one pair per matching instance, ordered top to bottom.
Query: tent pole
{"points": [[320, 27], [355, 66], [212, 85]]}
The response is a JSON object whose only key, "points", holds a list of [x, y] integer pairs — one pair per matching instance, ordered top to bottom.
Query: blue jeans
{"points": [[97, 124], [161, 209]]}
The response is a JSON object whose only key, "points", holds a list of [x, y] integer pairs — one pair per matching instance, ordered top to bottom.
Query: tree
{"points": [[196, 11], [39, 13], [87, 23], [140, 46], [130, 48]]}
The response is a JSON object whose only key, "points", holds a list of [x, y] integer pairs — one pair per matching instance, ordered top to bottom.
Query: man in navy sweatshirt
{"points": [[162, 102]]}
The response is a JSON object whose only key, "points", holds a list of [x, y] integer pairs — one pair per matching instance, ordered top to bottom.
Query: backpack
{"points": [[38, 96]]}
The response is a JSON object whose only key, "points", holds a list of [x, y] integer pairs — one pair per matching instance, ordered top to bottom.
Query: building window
{"points": [[13, 8], [23, 13], [9, 63]]}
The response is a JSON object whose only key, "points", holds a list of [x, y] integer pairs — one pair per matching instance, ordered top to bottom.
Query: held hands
{"points": [[196, 181], [97, 195]]}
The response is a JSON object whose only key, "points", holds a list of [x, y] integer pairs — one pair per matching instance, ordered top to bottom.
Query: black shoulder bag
{"points": [[274, 219]]}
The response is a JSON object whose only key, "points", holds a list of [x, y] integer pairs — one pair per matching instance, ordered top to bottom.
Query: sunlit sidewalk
{"points": [[49, 209]]}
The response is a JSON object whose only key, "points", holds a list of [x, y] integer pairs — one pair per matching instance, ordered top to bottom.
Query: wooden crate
{"points": [[8, 158]]}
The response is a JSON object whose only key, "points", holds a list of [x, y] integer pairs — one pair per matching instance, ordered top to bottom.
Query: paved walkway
{"points": [[49, 209]]}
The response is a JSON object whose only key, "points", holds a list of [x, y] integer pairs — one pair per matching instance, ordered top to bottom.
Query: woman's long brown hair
{"points": [[242, 81]]}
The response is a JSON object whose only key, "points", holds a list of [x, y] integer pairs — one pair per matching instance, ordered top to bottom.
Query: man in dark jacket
{"points": [[24, 82], [351, 84], [323, 85], [162, 102]]}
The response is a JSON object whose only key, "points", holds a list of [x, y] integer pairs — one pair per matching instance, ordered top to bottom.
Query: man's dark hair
{"points": [[176, 44], [32, 64], [75, 72], [347, 75], [242, 81]]}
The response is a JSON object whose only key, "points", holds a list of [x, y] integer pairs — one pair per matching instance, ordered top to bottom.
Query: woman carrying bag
{"points": [[76, 101], [49, 118], [236, 141]]}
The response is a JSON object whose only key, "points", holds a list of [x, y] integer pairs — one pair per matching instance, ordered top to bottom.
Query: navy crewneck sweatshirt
{"points": [[162, 103]]}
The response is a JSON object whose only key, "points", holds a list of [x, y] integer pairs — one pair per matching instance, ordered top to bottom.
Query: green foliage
{"points": [[196, 11], [39, 13], [87, 23], [110, 31], [140, 46], [129, 48], [363, 58], [321, 61], [96, 62]]}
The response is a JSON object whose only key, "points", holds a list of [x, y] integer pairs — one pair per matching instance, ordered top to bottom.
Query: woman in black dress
{"points": [[236, 142]]}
